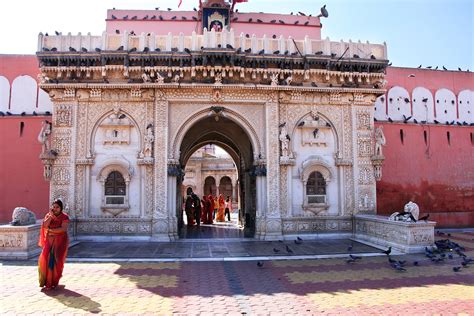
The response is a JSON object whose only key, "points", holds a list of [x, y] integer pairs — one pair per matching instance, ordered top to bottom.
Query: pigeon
{"points": [[444, 68], [313, 84], [122, 116], [282, 124], [300, 124], [315, 132], [424, 218], [298, 238], [288, 249], [275, 250], [388, 251], [355, 257], [415, 263], [260, 264], [398, 267], [456, 269]]}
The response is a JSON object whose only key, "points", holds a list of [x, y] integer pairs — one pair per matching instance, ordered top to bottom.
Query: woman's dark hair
{"points": [[59, 203]]}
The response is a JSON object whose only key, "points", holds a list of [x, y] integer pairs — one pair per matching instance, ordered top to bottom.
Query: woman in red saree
{"points": [[220, 211], [54, 241]]}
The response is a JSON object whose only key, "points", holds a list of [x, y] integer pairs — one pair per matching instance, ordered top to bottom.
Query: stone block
{"points": [[406, 237], [19, 242]]}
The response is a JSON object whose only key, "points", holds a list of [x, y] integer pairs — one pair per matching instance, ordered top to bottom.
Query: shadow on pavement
{"points": [[74, 300]]}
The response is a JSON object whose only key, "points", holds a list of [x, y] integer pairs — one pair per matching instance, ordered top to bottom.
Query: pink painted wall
{"points": [[313, 29], [12, 66], [432, 80], [21, 171], [438, 175]]}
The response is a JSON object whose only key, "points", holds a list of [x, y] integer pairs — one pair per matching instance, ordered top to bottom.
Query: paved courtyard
{"points": [[280, 287]]}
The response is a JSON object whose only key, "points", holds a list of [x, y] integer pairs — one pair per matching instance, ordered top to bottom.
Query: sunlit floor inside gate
{"points": [[217, 230]]}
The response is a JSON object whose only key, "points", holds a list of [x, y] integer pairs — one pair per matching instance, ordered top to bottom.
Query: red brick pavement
{"points": [[289, 287]]}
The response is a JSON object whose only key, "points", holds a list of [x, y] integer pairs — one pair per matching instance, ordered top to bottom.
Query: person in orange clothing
{"points": [[210, 211], [220, 211], [55, 242]]}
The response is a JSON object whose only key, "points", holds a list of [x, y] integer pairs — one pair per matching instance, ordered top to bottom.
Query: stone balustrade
{"points": [[211, 40]]}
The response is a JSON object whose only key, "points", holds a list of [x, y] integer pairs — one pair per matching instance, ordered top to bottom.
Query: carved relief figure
{"points": [[43, 136], [148, 140], [379, 140], [284, 141]]}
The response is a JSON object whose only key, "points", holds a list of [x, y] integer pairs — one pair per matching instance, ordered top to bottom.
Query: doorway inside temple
{"points": [[217, 158]]}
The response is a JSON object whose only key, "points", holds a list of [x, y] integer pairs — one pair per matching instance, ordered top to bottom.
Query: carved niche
{"points": [[116, 128], [315, 131]]}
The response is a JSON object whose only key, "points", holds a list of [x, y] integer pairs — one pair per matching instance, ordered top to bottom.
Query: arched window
{"points": [[115, 188], [316, 188]]}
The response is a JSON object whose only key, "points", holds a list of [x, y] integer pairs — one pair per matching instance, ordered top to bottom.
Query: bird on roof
{"points": [[169, 9], [301, 13], [114, 17], [125, 17], [145, 17], [153, 17], [173, 18], [183, 18], [194, 18], [235, 19], [250, 20], [259, 21], [273, 21], [281, 21], [296, 22], [306, 23], [117, 31], [57, 33], [83, 49]]}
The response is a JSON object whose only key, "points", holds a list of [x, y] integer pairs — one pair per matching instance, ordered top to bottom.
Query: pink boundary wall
{"points": [[21, 171], [438, 176]]}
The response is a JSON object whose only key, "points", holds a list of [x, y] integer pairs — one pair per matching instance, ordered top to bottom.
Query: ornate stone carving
{"points": [[69, 93], [95, 93], [135, 93], [63, 115], [363, 119], [44, 137], [379, 141], [62, 142], [364, 146], [61, 175], [366, 175], [273, 179], [79, 191], [410, 213], [22, 216]]}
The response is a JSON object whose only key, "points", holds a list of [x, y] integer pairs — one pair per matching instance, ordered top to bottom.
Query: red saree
{"points": [[52, 257]]}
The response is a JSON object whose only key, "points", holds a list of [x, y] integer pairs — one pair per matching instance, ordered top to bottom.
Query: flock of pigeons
{"points": [[443, 251]]}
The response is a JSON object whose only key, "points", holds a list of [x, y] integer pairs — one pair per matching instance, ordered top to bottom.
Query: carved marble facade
{"points": [[303, 152]]}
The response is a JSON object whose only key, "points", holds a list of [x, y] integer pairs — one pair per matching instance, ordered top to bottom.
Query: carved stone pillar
{"points": [[164, 225], [272, 228]]}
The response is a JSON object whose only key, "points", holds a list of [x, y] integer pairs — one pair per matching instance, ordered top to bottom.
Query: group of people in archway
{"points": [[207, 209]]}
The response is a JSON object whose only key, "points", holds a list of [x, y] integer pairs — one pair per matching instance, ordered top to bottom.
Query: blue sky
{"points": [[427, 32]]}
